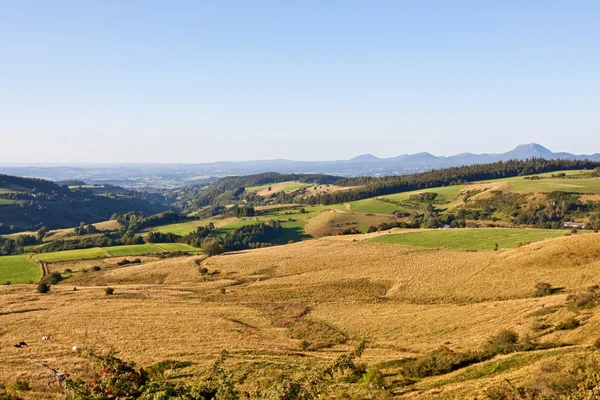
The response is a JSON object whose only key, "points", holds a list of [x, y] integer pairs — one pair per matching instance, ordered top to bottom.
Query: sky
{"points": [[202, 81]]}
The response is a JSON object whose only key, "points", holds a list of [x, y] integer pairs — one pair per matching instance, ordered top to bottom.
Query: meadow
{"points": [[469, 239], [173, 247], [133, 250], [68, 255], [19, 269], [282, 310]]}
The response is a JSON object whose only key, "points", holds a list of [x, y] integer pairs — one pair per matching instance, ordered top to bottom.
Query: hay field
{"points": [[263, 190], [331, 222], [470, 239], [172, 247], [133, 250], [67, 255], [19, 269], [405, 300]]}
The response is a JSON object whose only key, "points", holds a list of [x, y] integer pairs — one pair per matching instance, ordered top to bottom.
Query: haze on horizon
{"points": [[187, 82]]}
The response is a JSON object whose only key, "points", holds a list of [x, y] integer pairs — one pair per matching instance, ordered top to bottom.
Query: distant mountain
{"points": [[172, 175]]}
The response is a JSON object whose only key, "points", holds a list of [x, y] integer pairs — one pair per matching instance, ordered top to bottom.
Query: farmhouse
{"points": [[578, 225]]}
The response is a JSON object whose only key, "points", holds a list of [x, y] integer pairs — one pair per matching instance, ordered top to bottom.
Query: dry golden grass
{"points": [[331, 222], [110, 225], [261, 304]]}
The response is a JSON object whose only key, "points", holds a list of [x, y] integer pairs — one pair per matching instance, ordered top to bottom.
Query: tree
{"points": [[43, 287]]}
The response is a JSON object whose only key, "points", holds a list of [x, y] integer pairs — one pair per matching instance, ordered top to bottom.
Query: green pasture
{"points": [[287, 187], [469, 239], [173, 247], [133, 250], [70, 255], [19, 269]]}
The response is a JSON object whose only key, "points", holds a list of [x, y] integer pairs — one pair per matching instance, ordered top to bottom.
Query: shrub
{"points": [[372, 229], [96, 268], [204, 270], [68, 271], [54, 278], [7, 283], [43, 287], [542, 289], [109, 291], [587, 299], [569, 323], [539, 326], [504, 342], [597, 343], [440, 362], [373, 379], [19, 385]]}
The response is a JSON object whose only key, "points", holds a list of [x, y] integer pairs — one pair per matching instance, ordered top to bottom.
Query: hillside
{"points": [[28, 204], [281, 309]]}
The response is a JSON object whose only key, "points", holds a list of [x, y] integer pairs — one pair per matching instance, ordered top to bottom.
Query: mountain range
{"points": [[172, 175]]}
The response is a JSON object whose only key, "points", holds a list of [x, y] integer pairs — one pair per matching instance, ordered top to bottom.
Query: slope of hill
{"points": [[32, 203], [280, 310]]}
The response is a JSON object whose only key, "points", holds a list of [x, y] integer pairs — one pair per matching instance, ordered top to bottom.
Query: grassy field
{"points": [[586, 185], [277, 187], [372, 206], [331, 222], [181, 228], [469, 239], [172, 247], [133, 250], [68, 255], [19, 269], [264, 305]]}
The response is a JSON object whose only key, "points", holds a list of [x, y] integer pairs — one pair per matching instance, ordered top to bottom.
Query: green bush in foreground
{"points": [[118, 379]]}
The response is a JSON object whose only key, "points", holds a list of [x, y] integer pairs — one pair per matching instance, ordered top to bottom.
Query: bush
{"points": [[96, 268], [68, 271], [54, 278], [7, 283], [43, 287], [542, 289], [109, 291], [587, 299], [569, 323], [504, 342], [597, 343], [441, 361], [373, 379], [19, 385]]}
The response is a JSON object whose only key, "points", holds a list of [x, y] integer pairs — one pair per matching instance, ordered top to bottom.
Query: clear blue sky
{"points": [[178, 81]]}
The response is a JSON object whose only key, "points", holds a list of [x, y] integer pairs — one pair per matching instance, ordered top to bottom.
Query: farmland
{"points": [[277, 187], [469, 239], [172, 247], [132, 250], [67, 255], [19, 269], [407, 300]]}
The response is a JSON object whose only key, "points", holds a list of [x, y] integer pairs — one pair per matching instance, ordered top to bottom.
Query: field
{"points": [[263, 190], [451, 196], [331, 222], [469, 239], [172, 247], [133, 250], [67, 255], [19, 269], [283, 309]]}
